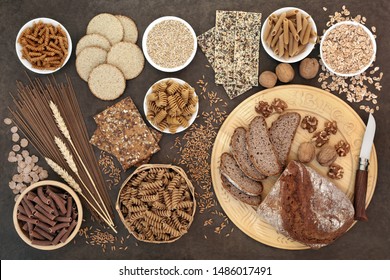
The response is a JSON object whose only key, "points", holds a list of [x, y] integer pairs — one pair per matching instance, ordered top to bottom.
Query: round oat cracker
{"points": [[108, 26], [130, 31], [93, 40], [128, 57], [88, 59], [106, 82]]}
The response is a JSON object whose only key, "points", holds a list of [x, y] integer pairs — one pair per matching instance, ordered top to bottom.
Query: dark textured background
{"points": [[369, 240]]}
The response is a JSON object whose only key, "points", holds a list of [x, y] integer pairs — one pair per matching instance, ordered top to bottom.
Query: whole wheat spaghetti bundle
{"points": [[50, 116]]}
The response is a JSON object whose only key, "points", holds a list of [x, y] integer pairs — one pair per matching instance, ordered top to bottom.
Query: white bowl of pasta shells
{"points": [[289, 34], [171, 105]]}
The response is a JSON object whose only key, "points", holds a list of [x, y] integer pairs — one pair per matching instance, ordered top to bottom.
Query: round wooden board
{"points": [[305, 100]]}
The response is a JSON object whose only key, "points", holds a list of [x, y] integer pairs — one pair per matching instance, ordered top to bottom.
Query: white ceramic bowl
{"points": [[350, 23], [18, 47], [309, 47], [145, 48], [181, 128], [57, 185]]}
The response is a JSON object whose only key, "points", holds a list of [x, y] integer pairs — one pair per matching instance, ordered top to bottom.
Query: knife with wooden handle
{"points": [[362, 173]]}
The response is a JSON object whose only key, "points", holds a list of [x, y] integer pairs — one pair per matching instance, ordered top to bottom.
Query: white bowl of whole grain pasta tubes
{"points": [[289, 34], [171, 105], [47, 215]]}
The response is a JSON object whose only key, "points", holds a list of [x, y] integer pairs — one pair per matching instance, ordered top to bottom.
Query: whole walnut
{"points": [[308, 68], [285, 72], [268, 79], [306, 152], [327, 155]]}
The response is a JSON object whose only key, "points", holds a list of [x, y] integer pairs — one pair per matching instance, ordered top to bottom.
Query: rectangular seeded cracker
{"points": [[225, 25], [206, 42], [122, 126]]}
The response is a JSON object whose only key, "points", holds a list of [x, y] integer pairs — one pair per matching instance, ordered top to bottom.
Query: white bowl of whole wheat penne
{"points": [[289, 34]]}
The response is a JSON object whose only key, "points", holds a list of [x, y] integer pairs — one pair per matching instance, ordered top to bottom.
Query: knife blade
{"points": [[362, 172]]}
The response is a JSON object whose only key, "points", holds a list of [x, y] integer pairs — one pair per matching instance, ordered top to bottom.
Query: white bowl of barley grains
{"points": [[169, 44], [347, 48]]}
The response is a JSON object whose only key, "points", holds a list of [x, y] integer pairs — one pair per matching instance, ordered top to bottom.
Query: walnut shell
{"points": [[308, 68], [285, 72], [268, 79], [306, 152], [327, 155]]}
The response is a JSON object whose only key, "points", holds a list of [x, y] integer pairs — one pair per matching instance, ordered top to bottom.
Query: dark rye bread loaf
{"points": [[282, 133], [260, 149], [240, 154], [230, 169], [240, 195], [307, 207]]}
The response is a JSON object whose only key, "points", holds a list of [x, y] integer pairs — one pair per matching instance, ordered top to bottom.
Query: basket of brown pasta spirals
{"points": [[156, 203]]}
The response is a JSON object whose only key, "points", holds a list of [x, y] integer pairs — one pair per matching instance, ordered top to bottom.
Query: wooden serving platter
{"points": [[305, 100]]}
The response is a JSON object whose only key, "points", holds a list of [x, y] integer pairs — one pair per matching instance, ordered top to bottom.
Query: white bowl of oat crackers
{"points": [[304, 42], [169, 44], [347, 48], [52, 55], [171, 105]]}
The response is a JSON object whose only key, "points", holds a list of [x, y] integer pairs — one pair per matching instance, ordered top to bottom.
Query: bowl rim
{"points": [[348, 22], [18, 47], [145, 48], [309, 48], [181, 128], [56, 184]]}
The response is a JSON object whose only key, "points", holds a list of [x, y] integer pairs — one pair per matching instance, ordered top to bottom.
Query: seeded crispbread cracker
{"points": [[108, 26], [130, 31], [93, 40], [206, 42], [128, 57], [88, 59], [106, 82], [130, 144]]}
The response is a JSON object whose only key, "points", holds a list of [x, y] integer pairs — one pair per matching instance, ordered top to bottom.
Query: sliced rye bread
{"points": [[282, 133], [261, 151], [240, 154], [232, 172], [240, 195]]}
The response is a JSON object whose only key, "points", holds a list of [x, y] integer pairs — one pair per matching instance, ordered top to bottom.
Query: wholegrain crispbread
{"points": [[108, 26], [130, 31], [93, 40], [128, 57], [88, 59], [106, 82], [129, 144], [260, 148], [240, 154]]}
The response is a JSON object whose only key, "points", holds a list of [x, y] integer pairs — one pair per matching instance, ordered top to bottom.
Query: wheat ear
{"points": [[59, 120], [64, 130], [66, 154], [64, 175], [73, 184]]}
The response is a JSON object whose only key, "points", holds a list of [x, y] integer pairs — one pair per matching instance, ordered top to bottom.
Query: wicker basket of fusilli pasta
{"points": [[156, 203]]}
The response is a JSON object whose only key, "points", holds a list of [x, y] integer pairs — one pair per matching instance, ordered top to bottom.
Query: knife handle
{"points": [[360, 195]]}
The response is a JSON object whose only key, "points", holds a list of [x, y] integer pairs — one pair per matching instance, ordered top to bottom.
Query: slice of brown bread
{"points": [[282, 133], [261, 151], [240, 154], [230, 169], [240, 195]]}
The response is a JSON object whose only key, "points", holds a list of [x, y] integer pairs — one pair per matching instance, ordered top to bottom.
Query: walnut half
{"points": [[279, 105], [264, 109], [309, 123], [331, 127], [321, 138], [342, 148], [336, 171]]}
